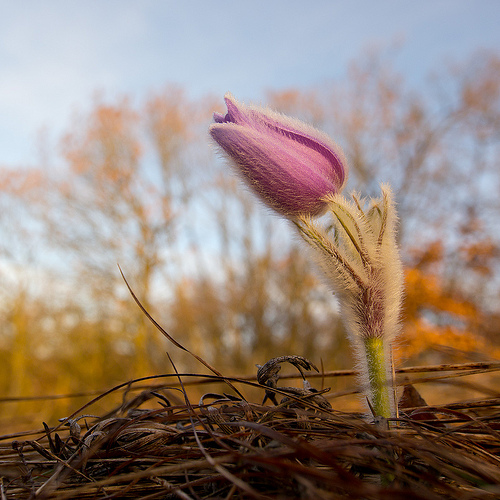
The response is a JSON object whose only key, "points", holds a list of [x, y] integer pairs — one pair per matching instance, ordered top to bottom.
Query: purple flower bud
{"points": [[290, 165]]}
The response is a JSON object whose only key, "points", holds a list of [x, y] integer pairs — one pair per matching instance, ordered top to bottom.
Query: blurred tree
{"points": [[128, 185], [137, 187], [118, 201], [438, 320]]}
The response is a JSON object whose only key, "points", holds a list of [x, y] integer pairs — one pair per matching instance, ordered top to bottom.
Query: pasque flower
{"points": [[289, 164], [300, 172]]}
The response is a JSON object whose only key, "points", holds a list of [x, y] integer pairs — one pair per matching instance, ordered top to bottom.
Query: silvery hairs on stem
{"points": [[299, 172], [360, 259]]}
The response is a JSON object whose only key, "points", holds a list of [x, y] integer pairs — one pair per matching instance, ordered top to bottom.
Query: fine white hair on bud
{"points": [[288, 164], [359, 256]]}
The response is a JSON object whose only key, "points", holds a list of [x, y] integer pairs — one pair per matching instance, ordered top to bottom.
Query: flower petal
{"points": [[271, 122], [289, 164], [293, 190]]}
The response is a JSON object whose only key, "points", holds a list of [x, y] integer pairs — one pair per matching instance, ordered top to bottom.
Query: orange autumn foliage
{"points": [[438, 319]]}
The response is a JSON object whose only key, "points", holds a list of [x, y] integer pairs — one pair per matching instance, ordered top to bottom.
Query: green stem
{"points": [[377, 375]]}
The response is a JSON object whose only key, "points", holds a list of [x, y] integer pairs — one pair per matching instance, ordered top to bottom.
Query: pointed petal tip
{"points": [[228, 96], [231, 101], [219, 117], [213, 128]]}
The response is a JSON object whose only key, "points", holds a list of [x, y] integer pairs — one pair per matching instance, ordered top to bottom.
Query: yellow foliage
{"points": [[437, 318]]}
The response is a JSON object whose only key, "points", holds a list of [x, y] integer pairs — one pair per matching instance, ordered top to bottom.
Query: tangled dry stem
{"points": [[295, 446]]}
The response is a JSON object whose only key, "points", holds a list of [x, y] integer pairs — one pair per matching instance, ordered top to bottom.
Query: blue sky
{"points": [[56, 54]]}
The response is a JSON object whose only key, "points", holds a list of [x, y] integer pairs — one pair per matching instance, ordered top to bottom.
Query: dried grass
{"points": [[298, 445], [295, 446]]}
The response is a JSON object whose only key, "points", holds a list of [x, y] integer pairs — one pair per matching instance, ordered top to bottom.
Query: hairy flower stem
{"points": [[359, 256], [377, 376]]}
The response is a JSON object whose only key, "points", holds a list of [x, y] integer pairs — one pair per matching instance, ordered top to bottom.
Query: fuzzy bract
{"points": [[360, 258]]}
